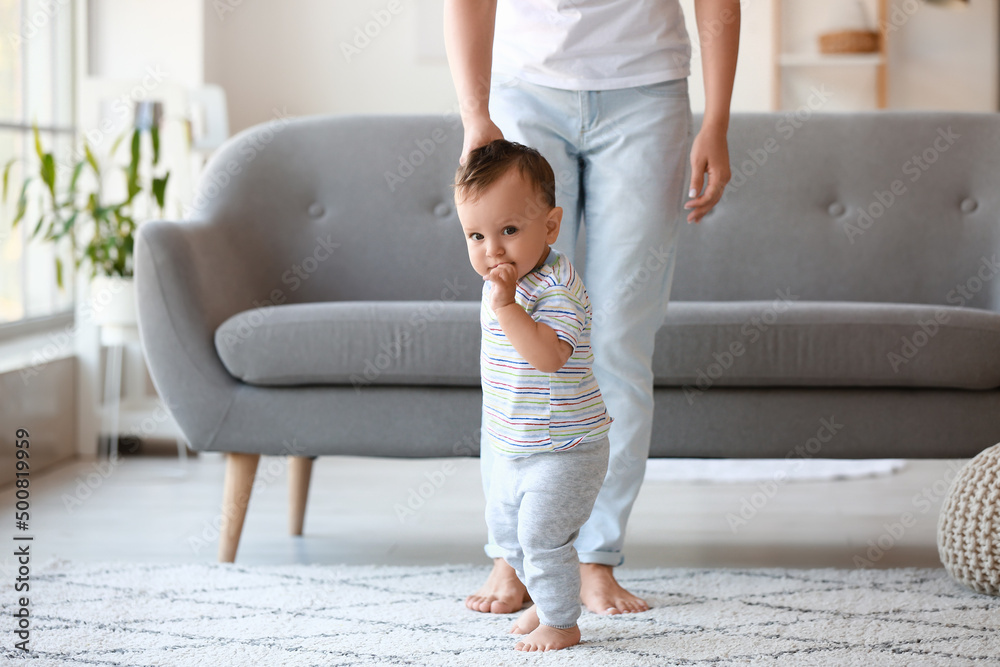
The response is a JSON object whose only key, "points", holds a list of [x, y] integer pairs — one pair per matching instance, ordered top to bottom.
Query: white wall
{"points": [[127, 36], [138, 50], [288, 55], [944, 58], [752, 87]]}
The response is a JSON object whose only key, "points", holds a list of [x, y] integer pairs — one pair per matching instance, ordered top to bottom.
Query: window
{"points": [[36, 86]]}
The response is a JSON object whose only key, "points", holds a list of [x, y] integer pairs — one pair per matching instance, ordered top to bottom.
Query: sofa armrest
{"points": [[189, 279]]}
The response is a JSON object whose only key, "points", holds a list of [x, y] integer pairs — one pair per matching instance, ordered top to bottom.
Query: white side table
{"points": [[137, 414]]}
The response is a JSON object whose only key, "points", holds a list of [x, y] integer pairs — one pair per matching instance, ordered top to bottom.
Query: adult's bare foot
{"points": [[503, 592], [602, 594]]}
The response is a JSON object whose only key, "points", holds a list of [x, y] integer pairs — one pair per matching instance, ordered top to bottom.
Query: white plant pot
{"points": [[112, 300]]}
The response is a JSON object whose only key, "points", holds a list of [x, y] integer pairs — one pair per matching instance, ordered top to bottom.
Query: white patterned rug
{"points": [[794, 469], [210, 615]]}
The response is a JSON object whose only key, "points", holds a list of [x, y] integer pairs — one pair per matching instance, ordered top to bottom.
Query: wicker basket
{"points": [[849, 41]]}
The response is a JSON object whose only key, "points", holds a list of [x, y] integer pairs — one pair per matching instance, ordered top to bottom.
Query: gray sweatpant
{"points": [[535, 509]]}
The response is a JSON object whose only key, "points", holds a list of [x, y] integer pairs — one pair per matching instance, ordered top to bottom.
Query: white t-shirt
{"points": [[591, 44]]}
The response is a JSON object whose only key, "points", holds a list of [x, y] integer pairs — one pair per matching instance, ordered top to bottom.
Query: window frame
{"points": [[78, 67]]}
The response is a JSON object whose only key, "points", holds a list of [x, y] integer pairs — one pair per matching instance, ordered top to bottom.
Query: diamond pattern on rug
{"points": [[222, 614]]}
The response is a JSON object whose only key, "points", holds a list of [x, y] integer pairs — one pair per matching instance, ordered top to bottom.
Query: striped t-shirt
{"points": [[524, 409]]}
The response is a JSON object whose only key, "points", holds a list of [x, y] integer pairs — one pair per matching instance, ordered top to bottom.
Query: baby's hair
{"points": [[486, 164]]}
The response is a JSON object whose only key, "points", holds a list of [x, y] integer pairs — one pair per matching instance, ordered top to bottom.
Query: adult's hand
{"points": [[719, 32], [468, 43], [478, 132], [709, 156]]}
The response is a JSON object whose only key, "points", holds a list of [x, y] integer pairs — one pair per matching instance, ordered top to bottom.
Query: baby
{"points": [[542, 410]]}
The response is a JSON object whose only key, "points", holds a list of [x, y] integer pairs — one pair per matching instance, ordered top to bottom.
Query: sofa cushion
{"points": [[355, 343], [701, 344], [824, 344]]}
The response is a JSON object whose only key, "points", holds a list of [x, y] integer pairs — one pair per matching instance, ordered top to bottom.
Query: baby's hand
{"points": [[504, 278]]}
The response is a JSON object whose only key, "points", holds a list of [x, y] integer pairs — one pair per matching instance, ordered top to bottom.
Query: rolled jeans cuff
{"points": [[493, 551], [614, 559]]}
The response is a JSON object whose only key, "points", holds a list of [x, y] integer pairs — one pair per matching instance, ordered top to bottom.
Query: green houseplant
{"points": [[100, 232]]}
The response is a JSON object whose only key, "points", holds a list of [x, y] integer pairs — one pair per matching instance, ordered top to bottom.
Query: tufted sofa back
{"points": [[880, 206], [345, 207]]}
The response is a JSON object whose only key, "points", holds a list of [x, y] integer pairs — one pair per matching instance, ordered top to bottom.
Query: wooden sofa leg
{"points": [[240, 471], [299, 473]]}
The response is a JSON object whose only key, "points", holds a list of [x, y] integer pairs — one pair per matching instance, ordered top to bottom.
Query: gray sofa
{"points": [[840, 302]]}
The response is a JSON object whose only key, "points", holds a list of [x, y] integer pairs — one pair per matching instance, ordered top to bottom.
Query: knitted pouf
{"points": [[968, 533]]}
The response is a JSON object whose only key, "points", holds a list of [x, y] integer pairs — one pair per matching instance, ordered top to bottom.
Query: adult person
{"points": [[599, 87]]}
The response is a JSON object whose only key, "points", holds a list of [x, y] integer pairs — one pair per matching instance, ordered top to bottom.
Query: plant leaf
{"points": [[154, 133], [136, 136], [38, 141], [118, 141], [91, 160], [133, 167], [77, 168], [48, 174], [6, 175], [160, 189], [22, 202], [38, 226], [66, 227], [51, 234], [59, 272]]}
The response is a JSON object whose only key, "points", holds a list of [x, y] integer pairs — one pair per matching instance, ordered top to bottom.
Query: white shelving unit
{"points": [[799, 50], [823, 60]]}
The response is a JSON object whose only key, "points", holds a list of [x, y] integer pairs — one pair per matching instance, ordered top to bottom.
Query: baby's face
{"points": [[509, 224]]}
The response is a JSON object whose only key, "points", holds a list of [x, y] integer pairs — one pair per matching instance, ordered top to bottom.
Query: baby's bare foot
{"points": [[503, 592], [603, 595], [526, 622], [547, 638]]}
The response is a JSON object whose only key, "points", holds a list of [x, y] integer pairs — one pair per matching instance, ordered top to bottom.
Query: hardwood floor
{"points": [[401, 511]]}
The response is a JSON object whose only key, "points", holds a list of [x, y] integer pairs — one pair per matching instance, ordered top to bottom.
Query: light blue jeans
{"points": [[621, 161]]}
